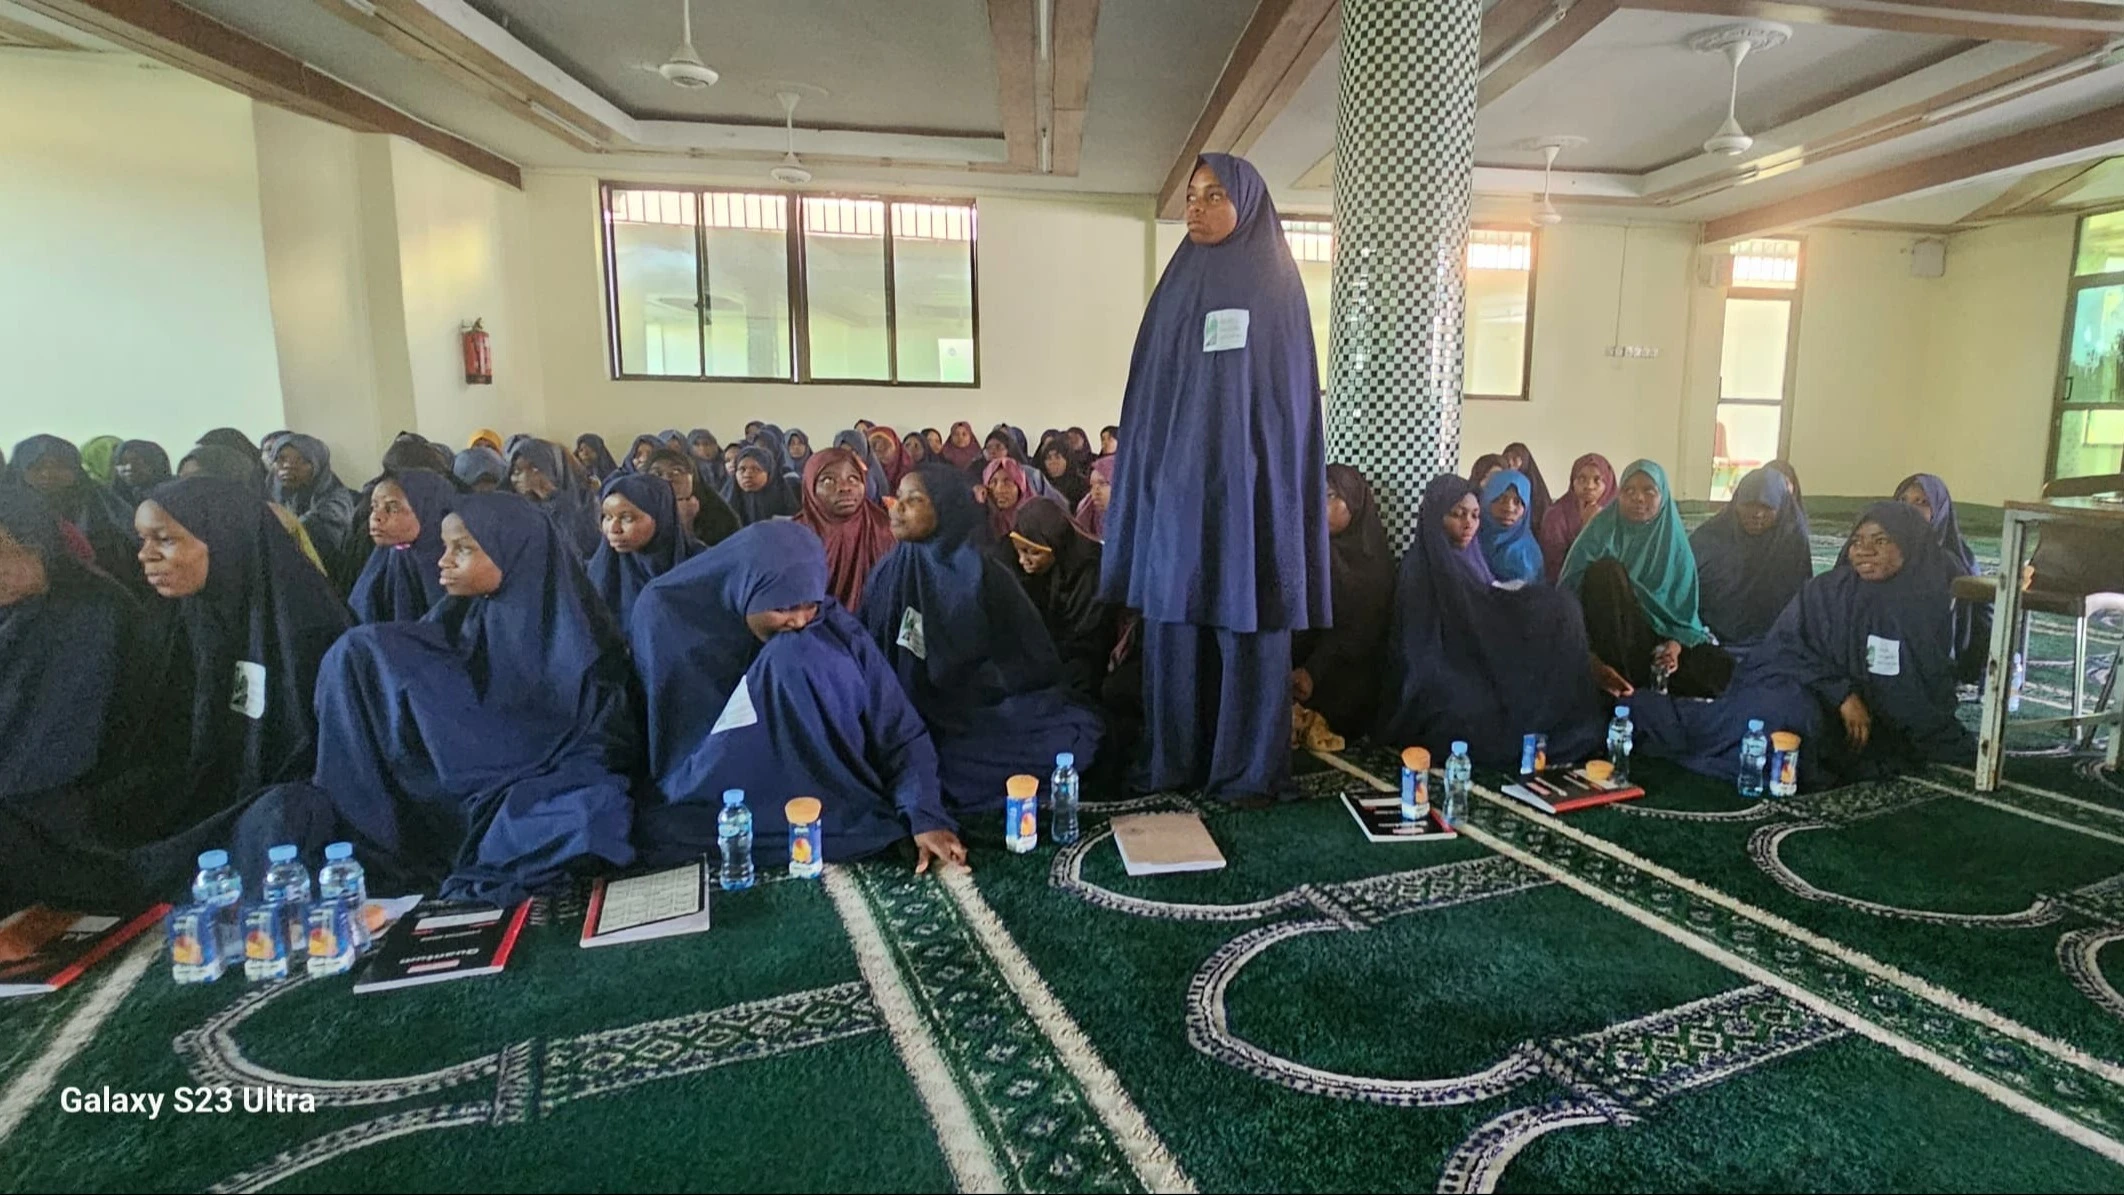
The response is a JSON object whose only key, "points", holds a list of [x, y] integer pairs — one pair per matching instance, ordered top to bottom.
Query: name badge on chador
{"points": [[1225, 329], [911, 634], [1884, 657], [247, 694], [738, 711]]}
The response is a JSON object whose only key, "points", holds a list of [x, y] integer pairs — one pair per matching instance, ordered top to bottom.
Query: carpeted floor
{"points": [[1887, 987]]}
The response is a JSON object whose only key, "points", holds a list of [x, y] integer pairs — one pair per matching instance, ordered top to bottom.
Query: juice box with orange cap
{"points": [[807, 859]]}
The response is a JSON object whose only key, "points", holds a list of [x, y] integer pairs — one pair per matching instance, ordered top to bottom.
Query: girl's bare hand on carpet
{"points": [[1858, 722], [941, 845]]}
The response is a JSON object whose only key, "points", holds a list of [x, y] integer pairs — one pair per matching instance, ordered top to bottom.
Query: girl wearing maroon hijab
{"points": [[856, 531]]}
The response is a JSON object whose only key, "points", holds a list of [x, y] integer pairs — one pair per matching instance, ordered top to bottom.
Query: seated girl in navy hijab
{"points": [[52, 467], [539, 471], [303, 482], [701, 506], [644, 539], [1751, 558], [1059, 567], [1636, 578], [401, 581], [1972, 620], [969, 647], [1471, 661], [1860, 665], [1336, 669], [758, 681], [486, 746]]}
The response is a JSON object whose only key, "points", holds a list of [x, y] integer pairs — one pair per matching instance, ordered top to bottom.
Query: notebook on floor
{"points": [[1561, 790], [1379, 816], [1158, 843], [661, 904], [443, 941], [43, 949]]}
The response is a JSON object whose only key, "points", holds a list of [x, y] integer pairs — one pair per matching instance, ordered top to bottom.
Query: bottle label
{"points": [[1784, 773], [1021, 822]]}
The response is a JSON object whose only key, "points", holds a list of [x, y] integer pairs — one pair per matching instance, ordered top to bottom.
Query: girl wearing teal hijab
{"points": [[1636, 579]]}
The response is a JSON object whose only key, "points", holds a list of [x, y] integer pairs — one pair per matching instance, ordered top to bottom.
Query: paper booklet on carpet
{"points": [[1561, 790], [1379, 816], [1157, 843], [661, 904], [437, 942], [43, 949]]}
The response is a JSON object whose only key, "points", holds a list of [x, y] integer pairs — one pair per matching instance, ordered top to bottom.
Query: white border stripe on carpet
{"points": [[29, 1087], [1153, 1163], [973, 1167]]}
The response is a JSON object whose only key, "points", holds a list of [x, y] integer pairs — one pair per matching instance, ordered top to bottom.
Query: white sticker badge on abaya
{"points": [[1224, 330], [911, 636], [1884, 657], [247, 696], [737, 712]]}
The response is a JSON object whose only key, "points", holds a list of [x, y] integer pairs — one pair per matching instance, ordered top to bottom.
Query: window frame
{"points": [[798, 276], [1795, 297], [1526, 364]]}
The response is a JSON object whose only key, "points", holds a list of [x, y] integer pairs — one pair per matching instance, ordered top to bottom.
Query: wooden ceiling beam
{"points": [[1582, 18], [2054, 22], [1076, 27], [1010, 31], [196, 43], [1277, 44], [2085, 132], [2035, 191]]}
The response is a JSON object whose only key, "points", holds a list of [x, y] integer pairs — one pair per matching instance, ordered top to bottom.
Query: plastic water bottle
{"points": [[1659, 672], [2017, 680], [1621, 737], [1754, 760], [1459, 779], [1062, 794], [733, 834], [342, 881], [287, 884], [218, 887]]}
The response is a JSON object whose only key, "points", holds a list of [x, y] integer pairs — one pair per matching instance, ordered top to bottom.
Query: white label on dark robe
{"points": [[1224, 330], [911, 634], [1884, 657], [248, 695], [738, 711]]}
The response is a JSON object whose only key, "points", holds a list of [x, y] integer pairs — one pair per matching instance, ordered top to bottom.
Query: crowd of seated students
{"points": [[494, 666]]}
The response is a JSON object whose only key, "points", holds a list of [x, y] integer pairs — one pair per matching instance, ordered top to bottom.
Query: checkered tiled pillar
{"points": [[1404, 164]]}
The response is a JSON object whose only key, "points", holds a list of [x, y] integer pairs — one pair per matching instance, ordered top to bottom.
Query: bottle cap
{"points": [[1622, 711], [1755, 725], [1785, 740], [1459, 747], [1416, 759], [1066, 760], [1599, 771], [1021, 787], [733, 797], [802, 811], [340, 850], [284, 853], [209, 860]]}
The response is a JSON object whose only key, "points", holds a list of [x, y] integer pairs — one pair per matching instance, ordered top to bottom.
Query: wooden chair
{"points": [[2076, 572]]}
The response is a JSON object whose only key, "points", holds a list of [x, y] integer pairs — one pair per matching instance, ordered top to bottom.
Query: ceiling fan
{"points": [[685, 68], [791, 172]]}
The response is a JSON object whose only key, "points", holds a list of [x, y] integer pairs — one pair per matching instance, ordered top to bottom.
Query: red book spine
{"points": [[597, 905], [508, 943], [102, 950]]}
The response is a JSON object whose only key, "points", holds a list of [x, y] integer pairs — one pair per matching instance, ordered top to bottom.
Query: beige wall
{"points": [[1061, 290], [133, 297]]}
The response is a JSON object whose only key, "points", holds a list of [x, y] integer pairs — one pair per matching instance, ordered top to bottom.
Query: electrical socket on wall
{"points": [[1642, 351]]}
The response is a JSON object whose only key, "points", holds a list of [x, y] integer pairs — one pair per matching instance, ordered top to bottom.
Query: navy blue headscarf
{"points": [[771, 438], [634, 451], [480, 463], [601, 466], [158, 470], [713, 476], [874, 484], [775, 500], [325, 506], [572, 512], [1219, 512], [104, 520], [1946, 525], [1512, 552], [619, 576], [1743, 580], [402, 583], [980, 638], [249, 641], [60, 655], [1471, 661], [821, 712], [488, 742]]}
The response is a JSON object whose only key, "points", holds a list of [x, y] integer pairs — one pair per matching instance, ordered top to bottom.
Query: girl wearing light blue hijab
{"points": [[1507, 533]]}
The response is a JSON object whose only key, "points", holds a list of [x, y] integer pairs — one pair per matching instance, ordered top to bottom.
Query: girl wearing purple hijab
{"points": [[1217, 530], [1474, 662]]}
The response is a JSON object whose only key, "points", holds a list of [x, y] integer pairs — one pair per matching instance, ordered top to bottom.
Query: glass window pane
{"points": [[2101, 244], [1766, 265], [1500, 273], [844, 281], [656, 283], [748, 284], [932, 291], [1752, 357], [1745, 438]]}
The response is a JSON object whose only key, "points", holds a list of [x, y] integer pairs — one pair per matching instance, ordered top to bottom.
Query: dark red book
{"points": [[1561, 790], [43, 949]]}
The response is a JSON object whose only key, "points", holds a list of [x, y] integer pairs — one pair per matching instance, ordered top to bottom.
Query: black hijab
{"points": [[776, 500]]}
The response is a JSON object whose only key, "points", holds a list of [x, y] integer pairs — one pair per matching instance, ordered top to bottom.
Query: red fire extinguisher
{"points": [[479, 356]]}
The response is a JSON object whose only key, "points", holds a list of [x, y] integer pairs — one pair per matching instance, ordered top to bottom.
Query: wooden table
{"points": [[2006, 616]]}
